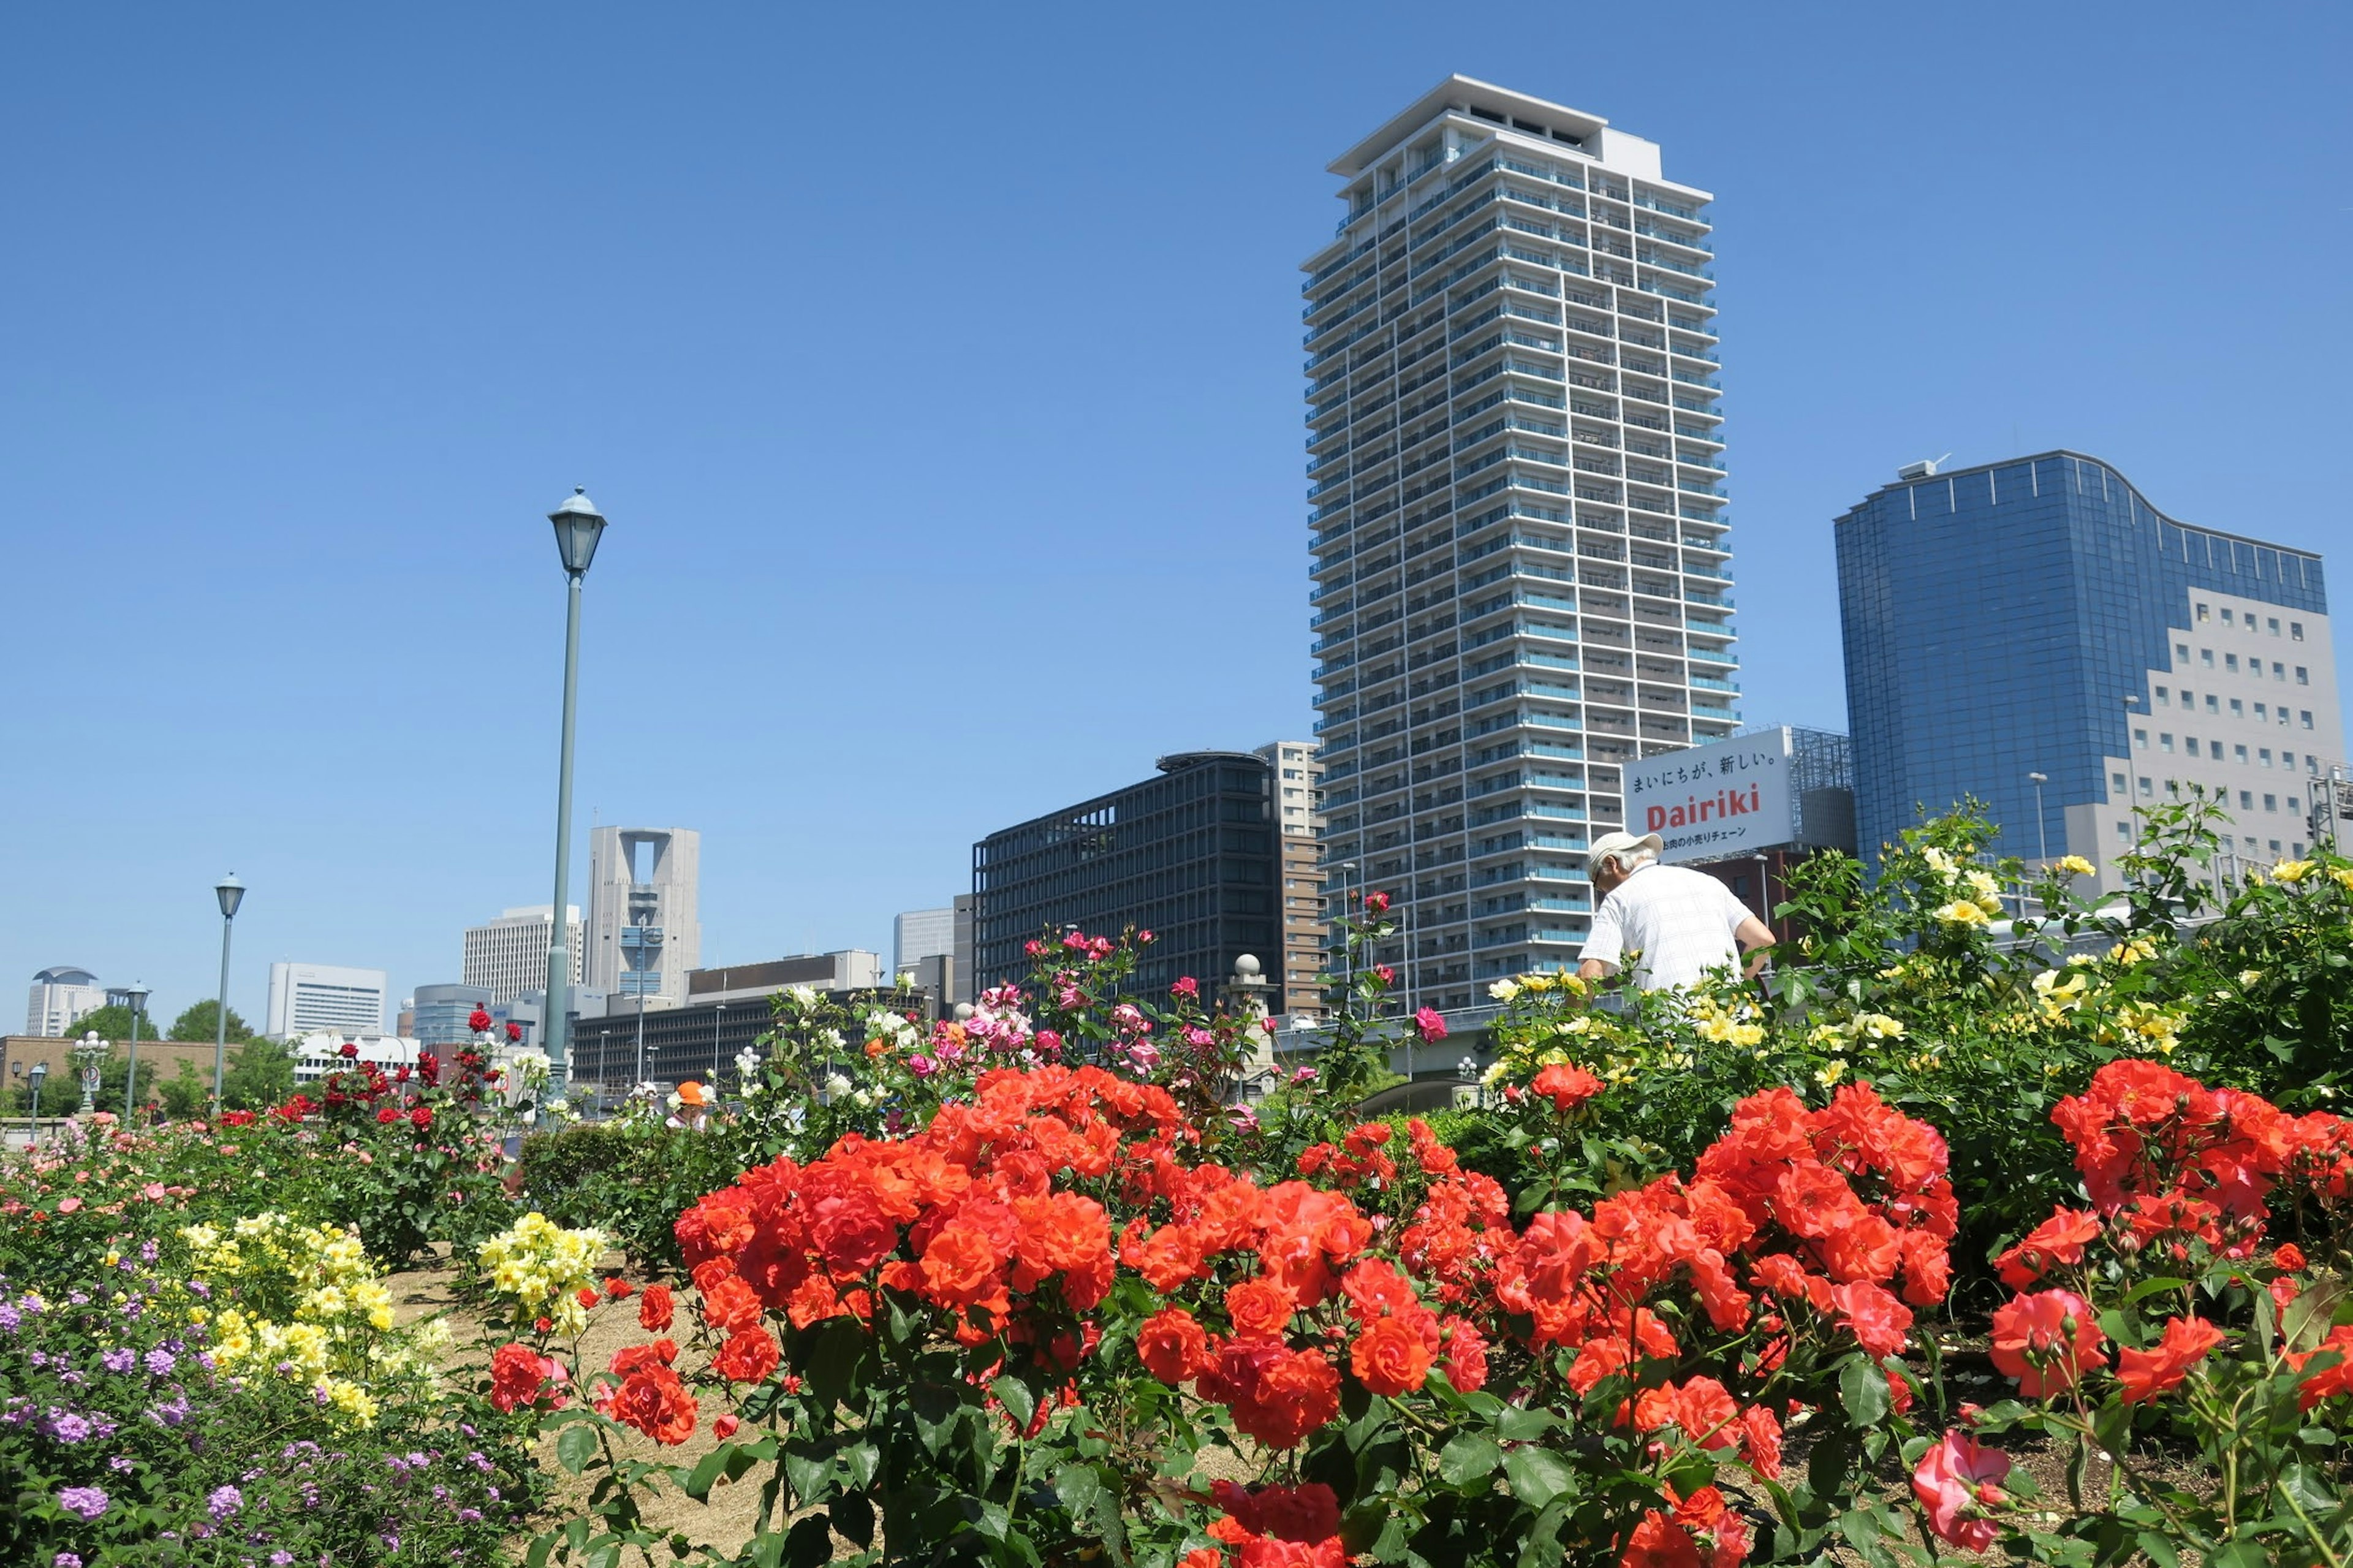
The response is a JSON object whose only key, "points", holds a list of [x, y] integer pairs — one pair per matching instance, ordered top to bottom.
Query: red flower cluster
{"points": [[2169, 1159], [1822, 1210], [649, 1396], [1275, 1527], [1701, 1531]]}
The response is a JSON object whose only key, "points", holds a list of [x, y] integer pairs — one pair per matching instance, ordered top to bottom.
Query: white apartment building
{"points": [[1519, 578], [2249, 712], [1299, 808], [643, 930], [509, 953], [63, 995], [308, 997]]}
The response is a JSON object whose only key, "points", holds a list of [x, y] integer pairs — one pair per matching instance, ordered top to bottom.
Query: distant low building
{"points": [[1191, 856], [509, 954], [304, 998], [442, 1015]]}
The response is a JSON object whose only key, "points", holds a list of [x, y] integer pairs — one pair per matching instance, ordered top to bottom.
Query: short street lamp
{"points": [[579, 527], [2042, 839], [231, 893], [138, 995], [87, 1053], [37, 1076]]}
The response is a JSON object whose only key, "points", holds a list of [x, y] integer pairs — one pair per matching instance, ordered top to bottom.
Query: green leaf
{"points": [[2307, 1318], [1862, 1388], [1018, 1400], [1515, 1424], [575, 1446], [1469, 1461], [1537, 1477], [853, 1519], [809, 1543], [2158, 1549]]}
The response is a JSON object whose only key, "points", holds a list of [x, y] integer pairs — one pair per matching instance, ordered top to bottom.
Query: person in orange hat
{"points": [[689, 1107]]}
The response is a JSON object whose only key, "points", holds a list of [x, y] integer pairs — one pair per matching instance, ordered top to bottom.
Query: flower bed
{"points": [[1702, 1282]]}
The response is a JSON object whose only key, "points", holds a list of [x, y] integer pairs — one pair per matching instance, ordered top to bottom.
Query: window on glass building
{"points": [[2202, 612], [2272, 625], [2295, 631], [2181, 651], [2206, 657], [2230, 662], [2303, 675], [2238, 708], [2304, 714], [2164, 742], [2116, 784], [2147, 788], [2246, 800], [2270, 802], [2124, 833]]}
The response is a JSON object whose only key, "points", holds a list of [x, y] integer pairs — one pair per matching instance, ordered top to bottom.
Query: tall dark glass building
{"points": [[2038, 616], [1190, 856]]}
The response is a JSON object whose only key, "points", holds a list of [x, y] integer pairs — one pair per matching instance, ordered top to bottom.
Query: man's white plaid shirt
{"points": [[1677, 924]]}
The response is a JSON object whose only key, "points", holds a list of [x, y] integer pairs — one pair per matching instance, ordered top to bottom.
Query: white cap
{"points": [[1622, 845]]}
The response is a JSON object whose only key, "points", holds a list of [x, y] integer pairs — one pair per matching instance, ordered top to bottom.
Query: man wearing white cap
{"points": [[1675, 924]]}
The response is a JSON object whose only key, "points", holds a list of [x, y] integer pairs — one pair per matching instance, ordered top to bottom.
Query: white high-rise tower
{"points": [[1520, 551], [644, 931]]}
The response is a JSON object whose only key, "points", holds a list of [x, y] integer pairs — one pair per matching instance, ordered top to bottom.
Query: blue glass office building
{"points": [[2040, 615]]}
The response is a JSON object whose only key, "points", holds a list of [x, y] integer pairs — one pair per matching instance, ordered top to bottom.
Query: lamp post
{"points": [[579, 526], [2042, 839], [231, 893], [138, 992], [717, 1008], [87, 1054], [37, 1076]]}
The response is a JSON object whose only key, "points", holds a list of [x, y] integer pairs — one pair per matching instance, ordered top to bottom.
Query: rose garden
{"points": [[1966, 1234]]}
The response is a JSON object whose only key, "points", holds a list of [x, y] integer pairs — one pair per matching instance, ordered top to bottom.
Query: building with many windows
{"points": [[1515, 461], [2038, 616], [1299, 817], [1190, 856], [919, 934], [509, 953], [63, 995], [308, 997], [442, 1016]]}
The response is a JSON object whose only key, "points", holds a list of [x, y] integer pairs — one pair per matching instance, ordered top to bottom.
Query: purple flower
{"points": [[10, 1318], [121, 1360], [160, 1362], [67, 1427], [120, 1463], [85, 1502], [223, 1502], [65, 1560]]}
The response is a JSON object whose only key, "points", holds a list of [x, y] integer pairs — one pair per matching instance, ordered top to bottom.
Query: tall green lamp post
{"points": [[579, 527], [231, 893]]}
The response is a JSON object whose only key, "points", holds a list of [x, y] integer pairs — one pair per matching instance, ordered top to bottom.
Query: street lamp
{"points": [[579, 527], [2041, 841], [231, 893], [138, 992], [717, 1009], [87, 1055], [39, 1076]]}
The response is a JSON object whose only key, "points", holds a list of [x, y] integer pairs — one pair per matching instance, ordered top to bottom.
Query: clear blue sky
{"points": [[939, 368]]}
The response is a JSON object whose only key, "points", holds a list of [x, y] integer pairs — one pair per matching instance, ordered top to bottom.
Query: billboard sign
{"points": [[1711, 803]]}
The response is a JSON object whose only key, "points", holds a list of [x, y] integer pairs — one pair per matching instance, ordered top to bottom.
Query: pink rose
{"points": [[68, 1206], [1956, 1481]]}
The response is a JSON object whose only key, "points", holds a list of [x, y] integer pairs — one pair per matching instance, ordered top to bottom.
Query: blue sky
{"points": [[939, 370]]}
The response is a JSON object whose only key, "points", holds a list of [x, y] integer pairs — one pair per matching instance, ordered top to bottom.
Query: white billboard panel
{"points": [[1713, 802]]}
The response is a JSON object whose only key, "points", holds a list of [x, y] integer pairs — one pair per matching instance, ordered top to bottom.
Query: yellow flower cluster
{"points": [[2075, 866], [2058, 997], [1724, 1026], [2143, 1026], [542, 1267], [302, 1301]]}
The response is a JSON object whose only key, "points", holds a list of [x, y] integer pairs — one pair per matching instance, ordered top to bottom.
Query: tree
{"points": [[201, 1022], [113, 1023], [260, 1074], [185, 1093]]}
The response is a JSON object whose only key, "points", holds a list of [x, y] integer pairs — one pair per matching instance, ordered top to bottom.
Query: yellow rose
{"points": [[2075, 866], [2291, 872], [1962, 913]]}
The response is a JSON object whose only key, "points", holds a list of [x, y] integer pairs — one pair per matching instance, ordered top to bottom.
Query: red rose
{"points": [[1377, 903], [478, 1020], [514, 1032], [350, 1049], [1567, 1086], [387, 1115], [422, 1118], [618, 1289], [586, 1296], [730, 1306], [1260, 1308], [654, 1309], [2046, 1341], [1172, 1345], [747, 1357], [1390, 1357], [629, 1358], [2147, 1373], [520, 1375], [652, 1400], [726, 1427]]}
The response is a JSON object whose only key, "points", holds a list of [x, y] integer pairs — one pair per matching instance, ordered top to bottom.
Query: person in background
{"points": [[1674, 924], [690, 1107]]}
